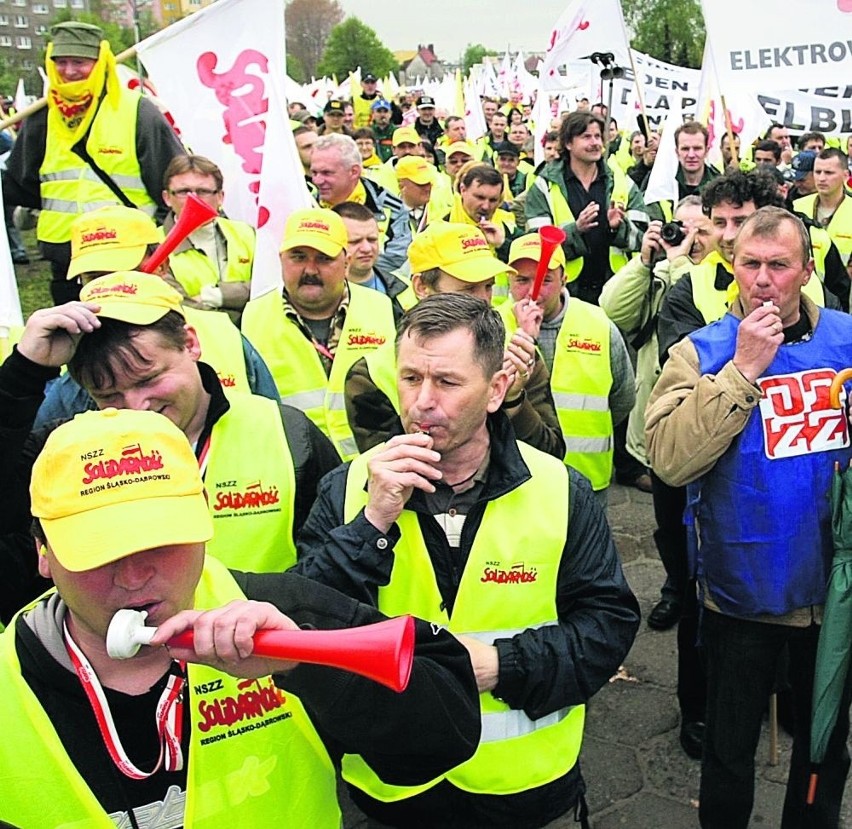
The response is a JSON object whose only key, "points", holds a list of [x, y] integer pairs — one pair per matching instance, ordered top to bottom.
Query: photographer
{"points": [[633, 296]]}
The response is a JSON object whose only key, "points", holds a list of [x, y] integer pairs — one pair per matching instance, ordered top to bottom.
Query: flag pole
{"points": [[637, 80], [729, 129]]}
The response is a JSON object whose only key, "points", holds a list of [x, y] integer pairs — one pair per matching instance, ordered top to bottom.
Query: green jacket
{"points": [[628, 235]]}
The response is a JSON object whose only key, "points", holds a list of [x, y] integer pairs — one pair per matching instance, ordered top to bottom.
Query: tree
{"points": [[308, 26], [669, 30], [352, 44], [473, 54]]}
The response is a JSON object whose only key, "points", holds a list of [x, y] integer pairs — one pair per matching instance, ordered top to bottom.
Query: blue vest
{"points": [[764, 511]]}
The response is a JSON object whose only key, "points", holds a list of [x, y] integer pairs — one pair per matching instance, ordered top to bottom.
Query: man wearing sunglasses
{"points": [[213, 264]]}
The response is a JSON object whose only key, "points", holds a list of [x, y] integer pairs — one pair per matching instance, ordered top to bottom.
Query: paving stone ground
{"points": [[638, 777]]}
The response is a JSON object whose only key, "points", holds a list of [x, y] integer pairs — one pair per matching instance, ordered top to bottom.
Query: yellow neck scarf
{"points": [[72, 106], [358, 195]]}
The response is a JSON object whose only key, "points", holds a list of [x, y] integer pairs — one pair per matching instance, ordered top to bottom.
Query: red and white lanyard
{"points": [[203, 457], [169, 716]]}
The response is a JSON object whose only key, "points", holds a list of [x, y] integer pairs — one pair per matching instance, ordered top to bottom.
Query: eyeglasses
{"points": [[201, 192]]}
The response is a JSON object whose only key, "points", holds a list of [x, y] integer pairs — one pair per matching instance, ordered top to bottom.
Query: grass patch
{"points": [[33, 279]]}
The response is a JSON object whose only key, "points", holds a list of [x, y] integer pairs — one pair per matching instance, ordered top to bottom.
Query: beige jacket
{"points": [[692, 419]]}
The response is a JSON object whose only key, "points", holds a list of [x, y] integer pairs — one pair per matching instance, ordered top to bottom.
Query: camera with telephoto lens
{"points": [[672, 233]]}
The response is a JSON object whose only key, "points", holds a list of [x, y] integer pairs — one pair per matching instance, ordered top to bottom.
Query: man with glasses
{"points": [[213, 264]]}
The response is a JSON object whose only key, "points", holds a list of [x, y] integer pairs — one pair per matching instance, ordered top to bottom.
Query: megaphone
{"points": [[194, 214], [551, 238], [383, 652]]}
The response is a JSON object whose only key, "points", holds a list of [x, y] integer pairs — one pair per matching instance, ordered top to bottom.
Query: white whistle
{"points": [[127, 633]]}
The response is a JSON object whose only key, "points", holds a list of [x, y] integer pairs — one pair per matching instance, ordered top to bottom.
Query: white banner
{"points": [[586, 28], [759, 46], [665, 88], [227, 100], [826, 109], [744, 113]]}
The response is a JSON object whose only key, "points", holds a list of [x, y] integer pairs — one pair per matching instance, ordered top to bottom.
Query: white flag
{"points": [[585, 28], [756, 48], [221, 71], [21, 98], [474, 117], [748, 119], [662, 184], [10, 303]]}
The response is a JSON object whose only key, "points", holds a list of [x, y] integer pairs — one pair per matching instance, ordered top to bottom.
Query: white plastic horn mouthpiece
{"points": [[127, 633]]}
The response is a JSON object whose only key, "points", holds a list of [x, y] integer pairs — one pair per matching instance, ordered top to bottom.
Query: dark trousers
{"points": [[58, 255], [627, 468], [670, 538], [741, 659]]}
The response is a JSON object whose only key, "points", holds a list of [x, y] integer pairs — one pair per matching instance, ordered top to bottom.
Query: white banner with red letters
{"points": [[586, 28], [221, 71]]}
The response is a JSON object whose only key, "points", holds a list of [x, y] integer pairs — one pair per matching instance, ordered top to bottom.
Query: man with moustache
{"points": [[320, 324]]}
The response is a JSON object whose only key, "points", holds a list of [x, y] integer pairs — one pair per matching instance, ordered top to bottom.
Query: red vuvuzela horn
{"points": [[194, 214], [551, 238], [383, 652]]}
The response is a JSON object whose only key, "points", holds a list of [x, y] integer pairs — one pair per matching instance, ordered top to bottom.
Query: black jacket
{"points": [[679, 315], [22, 385], [541, 670], [420, 733]]}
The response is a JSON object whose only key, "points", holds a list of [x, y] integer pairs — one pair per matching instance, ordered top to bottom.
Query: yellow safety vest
{"points": [[363, 110], [69, 186], [561, 214], [840, 226], [820, 243], [194, 269], [407, 299], [713, 304], [10, 340], [221, 347], [381, 365], [297, 368], [581, 382], [251, 487], [508, 585], [254, 757]]}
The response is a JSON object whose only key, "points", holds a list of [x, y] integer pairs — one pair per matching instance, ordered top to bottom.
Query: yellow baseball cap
{"points": [[405, 135], [459, 147], [416, 169], [316, 228], [111, 239], [529, 247], [457, 249], [131, 296], [111, 483]]}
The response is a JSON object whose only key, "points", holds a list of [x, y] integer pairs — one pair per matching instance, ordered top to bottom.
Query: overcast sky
{"points": [[451, 24]]}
